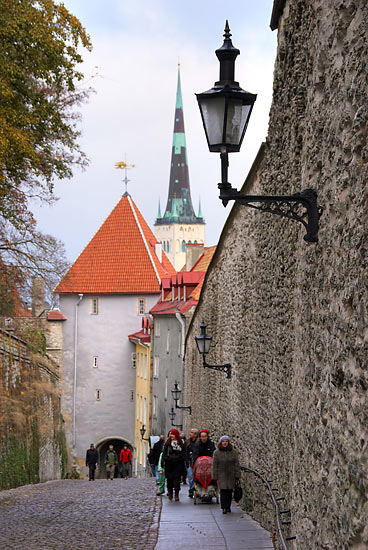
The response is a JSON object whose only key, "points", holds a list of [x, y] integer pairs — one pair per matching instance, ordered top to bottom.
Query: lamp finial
{"points": [[227, 33]]}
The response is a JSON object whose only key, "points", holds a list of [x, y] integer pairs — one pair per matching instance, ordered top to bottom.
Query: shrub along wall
{"points": [[292, 317], [32, 442]]}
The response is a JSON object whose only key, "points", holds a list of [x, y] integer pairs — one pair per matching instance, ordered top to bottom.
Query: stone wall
{"points": [[292, 317], [32, 444]]}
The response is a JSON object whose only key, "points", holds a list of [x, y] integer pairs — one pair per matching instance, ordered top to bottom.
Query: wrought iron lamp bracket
{"points": [[301, 207], [222, 368], [187, 408]]}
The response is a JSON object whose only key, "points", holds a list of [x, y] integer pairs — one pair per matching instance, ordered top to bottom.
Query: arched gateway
{"points": [[102, 446]]}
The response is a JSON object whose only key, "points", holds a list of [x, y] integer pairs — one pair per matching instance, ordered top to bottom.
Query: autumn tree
{"points": [[39, 54], [40, 86]]}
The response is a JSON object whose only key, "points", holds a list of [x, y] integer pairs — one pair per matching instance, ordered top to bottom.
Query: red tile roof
{"points": [[120, 258], [192, 281], [55, 315], [144, 335]]}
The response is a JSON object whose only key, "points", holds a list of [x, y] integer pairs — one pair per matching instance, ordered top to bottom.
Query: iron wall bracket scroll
{"points": [[301, 207], [222, 368]]}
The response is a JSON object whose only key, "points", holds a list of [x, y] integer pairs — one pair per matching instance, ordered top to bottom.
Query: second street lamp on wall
{"points": [[225, 111], [203, 342], [176, 393], [172, 415], [143, 431]]}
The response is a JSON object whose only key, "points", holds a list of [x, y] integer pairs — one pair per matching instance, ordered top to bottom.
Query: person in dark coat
{"points": [[203, 447], [156, 453], [173, 460], [92, 461], [226, 470]]}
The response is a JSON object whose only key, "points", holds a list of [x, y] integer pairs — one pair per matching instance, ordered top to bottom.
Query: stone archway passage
{"points": [[102, 450]]}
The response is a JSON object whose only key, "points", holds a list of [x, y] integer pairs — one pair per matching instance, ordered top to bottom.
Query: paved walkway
{"points": [[80, 515], [119, 515], [185, 526]]}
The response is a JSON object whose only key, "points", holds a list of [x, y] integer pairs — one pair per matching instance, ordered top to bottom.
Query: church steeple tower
{"points": [[179, 224]]}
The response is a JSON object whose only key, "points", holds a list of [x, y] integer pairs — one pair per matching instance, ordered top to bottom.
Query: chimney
{"points": [[158, 250], [194, 252], [38, 296]]}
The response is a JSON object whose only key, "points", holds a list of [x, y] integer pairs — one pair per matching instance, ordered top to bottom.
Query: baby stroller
{"points": [[204, 488]]}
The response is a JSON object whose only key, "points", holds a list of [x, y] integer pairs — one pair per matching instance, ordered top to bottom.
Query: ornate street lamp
{"points": [[225, 111], [203, 344], [176, 392], [172, 415], [143, 431]]}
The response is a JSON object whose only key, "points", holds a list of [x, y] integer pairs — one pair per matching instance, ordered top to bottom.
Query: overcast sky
{"points": [[136, 46]]}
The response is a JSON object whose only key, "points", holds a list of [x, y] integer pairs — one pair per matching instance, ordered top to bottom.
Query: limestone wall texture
{"points": [[291, 318], [32, 442]]}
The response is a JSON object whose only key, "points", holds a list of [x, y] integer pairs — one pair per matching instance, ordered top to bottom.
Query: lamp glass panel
{"points": [[213, 111], [237, 115], [200, 344], [203, 344], [207, 344]]}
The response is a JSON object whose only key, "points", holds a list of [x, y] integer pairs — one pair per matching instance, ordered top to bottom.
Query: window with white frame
{"points": [[94, 305], [141, 306], [168, 341], [95, 361], [156, 366], [146, 367], [98, 395], [137, 406], [145, 411]]}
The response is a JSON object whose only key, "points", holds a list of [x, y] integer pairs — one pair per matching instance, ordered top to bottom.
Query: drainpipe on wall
{"points": [[80, 296]]}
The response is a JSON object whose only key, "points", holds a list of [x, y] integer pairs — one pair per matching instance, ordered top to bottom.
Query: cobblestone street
{"points": [[80, 515]]}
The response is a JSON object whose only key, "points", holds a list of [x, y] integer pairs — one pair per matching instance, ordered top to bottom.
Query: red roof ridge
{"points": [[144, 239]]}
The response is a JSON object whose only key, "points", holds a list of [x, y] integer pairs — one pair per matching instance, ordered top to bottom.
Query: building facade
{"points": [[179, 225], [113, 283], [171, 315], [141, 361]]}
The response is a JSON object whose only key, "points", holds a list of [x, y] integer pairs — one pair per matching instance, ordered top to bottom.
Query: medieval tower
{"points": [[179, 225]]}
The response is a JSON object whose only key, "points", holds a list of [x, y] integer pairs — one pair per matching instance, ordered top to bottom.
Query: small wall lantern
{"points": [[225, 111], [203, 342], [176, 393], [172, 415], [143, 431]]}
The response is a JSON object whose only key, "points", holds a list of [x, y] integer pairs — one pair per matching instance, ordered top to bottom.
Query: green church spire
{"points": [[179, 208]]}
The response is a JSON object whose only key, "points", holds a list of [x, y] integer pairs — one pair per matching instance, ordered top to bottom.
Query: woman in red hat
{"points": [[173, 460]]}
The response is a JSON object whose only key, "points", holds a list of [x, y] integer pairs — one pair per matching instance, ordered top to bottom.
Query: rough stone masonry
{"points": [[291, 318]]}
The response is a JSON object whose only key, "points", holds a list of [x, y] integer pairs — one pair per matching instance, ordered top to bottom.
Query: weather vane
{"points": [[124, 166]]}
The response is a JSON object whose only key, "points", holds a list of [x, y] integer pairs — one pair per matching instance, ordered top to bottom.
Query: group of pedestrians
{"points": [[174, 460], [111, 461]]}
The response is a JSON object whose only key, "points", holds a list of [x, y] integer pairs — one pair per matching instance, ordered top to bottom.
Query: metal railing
{"points": [[275, 502]]}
